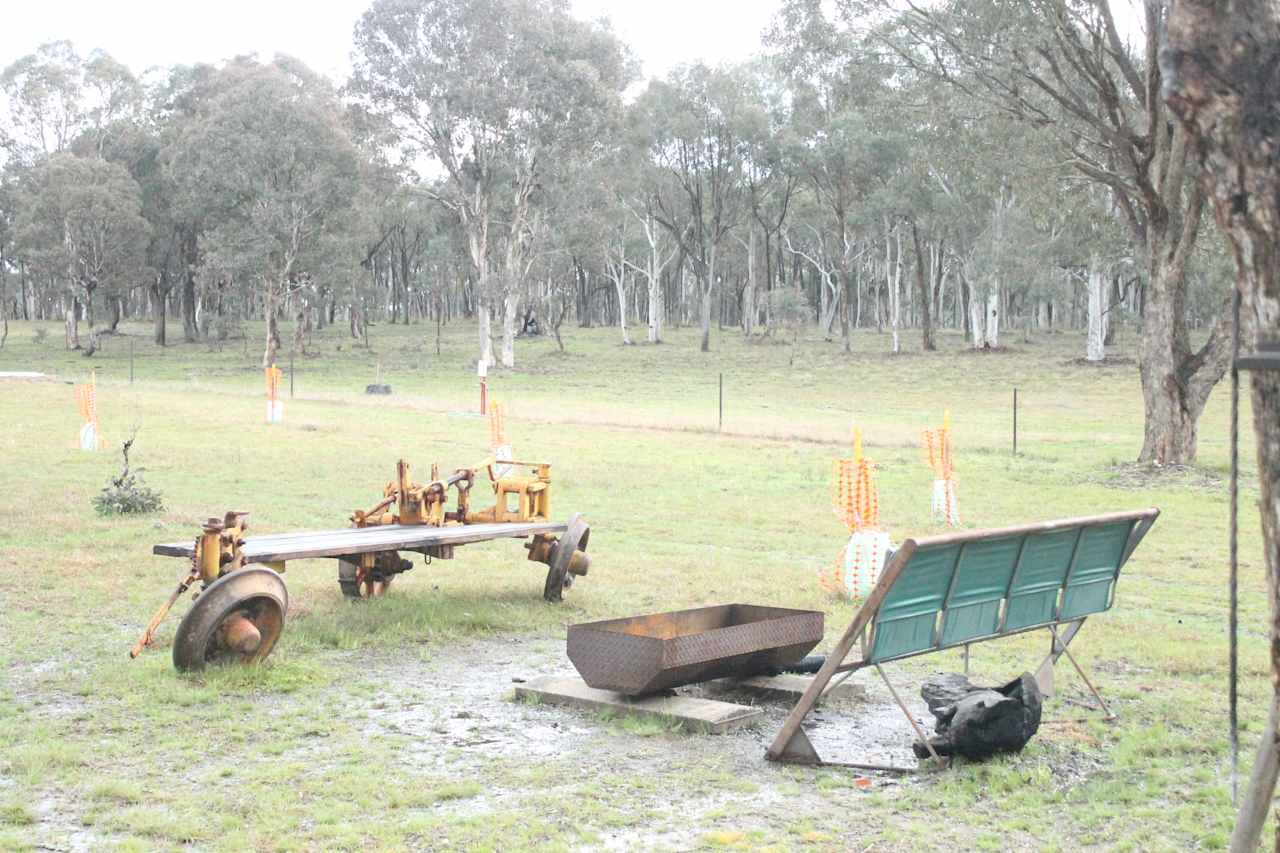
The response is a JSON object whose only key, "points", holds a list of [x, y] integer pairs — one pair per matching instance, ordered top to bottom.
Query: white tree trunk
{"points": [[619, 276], [893, 280], [710, 286], [749, 294], [655, 300], [511, 311], [976, 325], [992, 332], [486, 339], [1095, 348]]}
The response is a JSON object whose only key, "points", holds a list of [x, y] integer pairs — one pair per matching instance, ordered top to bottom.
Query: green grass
{"points": [[277, 757]]}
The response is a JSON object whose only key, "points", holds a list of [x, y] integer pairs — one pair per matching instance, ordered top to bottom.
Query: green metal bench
{"points": [[952, 590]]}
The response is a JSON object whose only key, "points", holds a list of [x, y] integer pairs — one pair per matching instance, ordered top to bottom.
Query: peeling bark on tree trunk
{"points": [[1222, 72]]}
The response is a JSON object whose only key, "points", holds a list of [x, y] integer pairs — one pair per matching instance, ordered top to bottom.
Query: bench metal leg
{"points": [[1044, 675], [910, 719]]}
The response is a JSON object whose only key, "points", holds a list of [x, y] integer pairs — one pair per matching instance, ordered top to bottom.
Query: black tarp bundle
{"points": [[978, 722]]}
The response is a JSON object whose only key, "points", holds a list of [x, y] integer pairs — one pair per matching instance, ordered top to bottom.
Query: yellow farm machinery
{"points": [[239, 611]]}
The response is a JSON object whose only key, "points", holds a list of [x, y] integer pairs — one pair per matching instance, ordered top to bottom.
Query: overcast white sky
{"points": [[145, 33]]}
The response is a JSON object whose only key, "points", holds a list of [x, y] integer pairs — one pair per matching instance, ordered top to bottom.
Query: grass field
{"points": [[346, 737]]}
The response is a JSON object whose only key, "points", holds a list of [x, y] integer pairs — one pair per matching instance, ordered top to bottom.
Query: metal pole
{"points": [[130, 361], [290, 375], [1015, 421], [720, 427], [1233, 575]]}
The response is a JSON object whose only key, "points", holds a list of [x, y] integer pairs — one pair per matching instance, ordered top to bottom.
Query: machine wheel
{"points": [[572, 542], [357, 584], [237, 618]]}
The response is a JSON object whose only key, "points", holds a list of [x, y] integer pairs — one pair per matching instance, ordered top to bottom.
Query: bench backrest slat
{"points": [[960, 588]]}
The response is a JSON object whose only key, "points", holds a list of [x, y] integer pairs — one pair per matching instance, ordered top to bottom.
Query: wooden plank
{"points": [[362, 540], [834, 660], [787, 686], [692, 713]]}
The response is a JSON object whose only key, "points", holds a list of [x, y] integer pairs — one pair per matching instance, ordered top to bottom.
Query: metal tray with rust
{"points": [[644, 654]]}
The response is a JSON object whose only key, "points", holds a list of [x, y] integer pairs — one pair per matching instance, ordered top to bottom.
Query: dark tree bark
{"points": [[1222, 73], [187, 263], [160, 296]]}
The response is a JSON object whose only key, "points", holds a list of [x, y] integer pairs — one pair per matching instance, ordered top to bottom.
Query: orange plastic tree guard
{"points": [[273, 383], [87, 405], [275, 409], [497, 426], [937, 454], [856, 502]]}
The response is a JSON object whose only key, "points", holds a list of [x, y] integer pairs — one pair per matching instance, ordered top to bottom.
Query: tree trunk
{"points": [[1221, 79], [749, 292], [160, 296], [926, 296], [510, 313], [73, 325], [273, 328], [190, 329], [991, 334], [1095, 347]]}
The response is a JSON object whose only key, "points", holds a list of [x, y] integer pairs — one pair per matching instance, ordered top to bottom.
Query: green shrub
{"points": [[127, 494]]}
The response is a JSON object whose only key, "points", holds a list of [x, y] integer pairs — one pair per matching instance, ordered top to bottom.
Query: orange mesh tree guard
{"points": [[87, 405], [275, 407], [937, 454], [856, 502]]}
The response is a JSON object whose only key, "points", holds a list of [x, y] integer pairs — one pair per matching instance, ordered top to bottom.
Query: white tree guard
{"points": [[89, 437], [503, 453], [944, 508], [864, 556]]}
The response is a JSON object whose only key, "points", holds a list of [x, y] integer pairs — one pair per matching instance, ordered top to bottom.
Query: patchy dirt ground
{"points": [[461, 716]]}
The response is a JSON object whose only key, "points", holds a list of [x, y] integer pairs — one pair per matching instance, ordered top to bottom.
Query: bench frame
{"points": [[792, 745]]}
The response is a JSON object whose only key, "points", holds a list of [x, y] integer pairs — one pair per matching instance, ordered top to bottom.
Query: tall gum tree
{"points": [[1062, 65], [1222, 75], [490, 91], [690, 123], [271, 163]]}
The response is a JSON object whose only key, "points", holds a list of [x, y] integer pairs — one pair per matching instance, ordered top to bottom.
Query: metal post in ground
{"points": [[130, 361], [290, 375], [1015, 421], [720, 424]]}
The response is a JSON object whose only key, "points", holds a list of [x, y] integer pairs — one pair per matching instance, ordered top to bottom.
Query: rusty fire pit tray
{"points": [[643, 654]]}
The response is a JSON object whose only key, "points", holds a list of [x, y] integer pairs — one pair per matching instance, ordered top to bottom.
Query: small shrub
{"points": [[127, 494]]}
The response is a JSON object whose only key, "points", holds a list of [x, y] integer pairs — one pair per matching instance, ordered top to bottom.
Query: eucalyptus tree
{"points": [[1220, 63], [1063, 65], [490, 91], [690, 125], [846, 141], [271, 163], [769, 173], [79, 223]]}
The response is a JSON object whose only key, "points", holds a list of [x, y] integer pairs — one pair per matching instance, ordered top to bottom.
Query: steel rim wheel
{"points": [[574, 539], [236, 619]]}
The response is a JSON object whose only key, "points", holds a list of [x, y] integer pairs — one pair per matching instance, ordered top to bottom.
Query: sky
{"points": [[146, 33]]}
